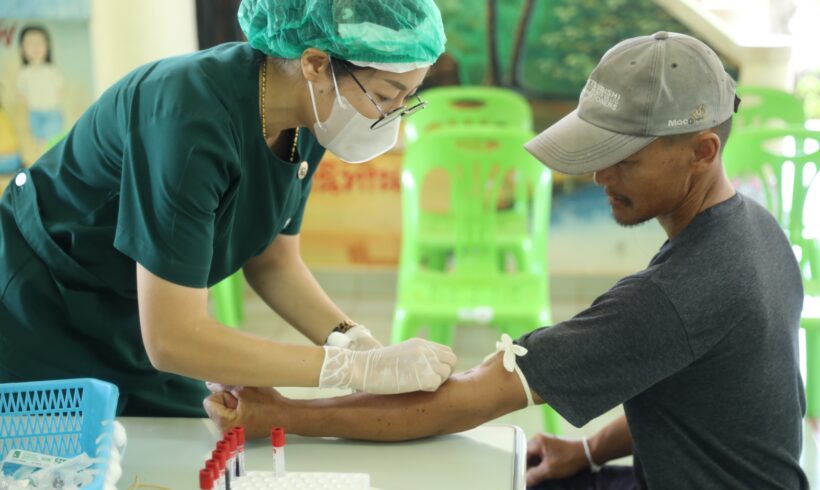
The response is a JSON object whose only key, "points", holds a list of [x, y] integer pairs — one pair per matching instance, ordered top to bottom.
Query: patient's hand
{"points": [[255, 409], [552, 457]]}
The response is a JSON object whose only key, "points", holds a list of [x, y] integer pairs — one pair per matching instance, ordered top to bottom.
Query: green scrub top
{"points": [[168, 168]]}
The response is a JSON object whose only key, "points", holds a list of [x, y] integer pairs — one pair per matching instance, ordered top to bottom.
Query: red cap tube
{"points": [[240, 435], [230, 436], [277, 436], [225, 447], [219, 457], [213, 466], [206, 479]]}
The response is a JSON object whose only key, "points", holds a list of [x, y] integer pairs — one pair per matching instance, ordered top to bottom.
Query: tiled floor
{"points": [[369, 298]]}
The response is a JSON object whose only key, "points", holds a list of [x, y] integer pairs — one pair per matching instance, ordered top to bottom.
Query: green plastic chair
{"points": [[468, 106], [767, 107], [778, 166], [473, 289], [226, 298]]}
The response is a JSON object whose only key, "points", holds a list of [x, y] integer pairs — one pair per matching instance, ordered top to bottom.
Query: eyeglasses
{"points": [[388, 117]]}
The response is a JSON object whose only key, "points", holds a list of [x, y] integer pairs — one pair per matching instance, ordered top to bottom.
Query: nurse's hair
{"points": [[34, 28], [341, 68]]}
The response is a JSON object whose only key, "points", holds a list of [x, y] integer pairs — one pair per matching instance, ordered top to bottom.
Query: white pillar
{"points": [[129, 33], [762, 58], [766, 66]]}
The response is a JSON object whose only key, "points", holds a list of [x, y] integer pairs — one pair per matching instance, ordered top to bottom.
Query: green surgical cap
{"points": [[392, 35]]}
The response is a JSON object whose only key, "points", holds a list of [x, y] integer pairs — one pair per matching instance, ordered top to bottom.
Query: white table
{"points": [[170, 451]]}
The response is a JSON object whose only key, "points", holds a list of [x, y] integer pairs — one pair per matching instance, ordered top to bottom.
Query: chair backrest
{"points": [[466, 106], [767, 107], [480, 163], [779, 166]]}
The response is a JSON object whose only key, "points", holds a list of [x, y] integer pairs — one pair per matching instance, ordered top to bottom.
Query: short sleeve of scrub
{"points": [[174, 173]]}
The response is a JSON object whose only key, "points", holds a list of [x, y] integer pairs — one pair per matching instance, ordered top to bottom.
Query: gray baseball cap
{"points": [[642, 88]]}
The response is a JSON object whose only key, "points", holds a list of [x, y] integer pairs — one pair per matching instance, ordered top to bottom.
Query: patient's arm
{"points": [[466, 400]]}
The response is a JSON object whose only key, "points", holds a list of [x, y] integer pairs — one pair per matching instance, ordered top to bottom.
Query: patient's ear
{"points": [[705, 149]]}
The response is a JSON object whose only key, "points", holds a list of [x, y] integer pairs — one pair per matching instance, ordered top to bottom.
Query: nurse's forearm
{"points": [[286, 284], [180, 337], [238, 358]]}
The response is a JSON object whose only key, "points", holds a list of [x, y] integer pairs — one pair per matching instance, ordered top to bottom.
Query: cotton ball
{"points": [[120, 437], [114, 456], [114, 471], [112, 476]]}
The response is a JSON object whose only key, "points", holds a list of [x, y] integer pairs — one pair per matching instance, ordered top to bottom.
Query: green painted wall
{"points": [[562, 40]]}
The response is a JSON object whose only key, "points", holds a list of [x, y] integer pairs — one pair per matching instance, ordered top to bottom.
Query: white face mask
{"points": [[347, 133]]}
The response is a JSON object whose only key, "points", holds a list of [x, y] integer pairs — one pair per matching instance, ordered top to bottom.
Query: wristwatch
{"points": [[344, 326], [337, 336]]}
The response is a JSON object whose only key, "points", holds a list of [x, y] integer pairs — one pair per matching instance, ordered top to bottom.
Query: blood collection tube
{"points": [[230, 436], [277, 436], [240, 449], [221, 458], [230, 458], [206, 479], [219, 481]]}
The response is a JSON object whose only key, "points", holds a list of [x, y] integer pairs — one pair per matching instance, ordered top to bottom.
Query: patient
{"points": [[701, 347]]}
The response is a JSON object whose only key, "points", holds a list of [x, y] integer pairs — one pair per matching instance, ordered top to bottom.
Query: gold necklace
{"points": [[263, 85]]}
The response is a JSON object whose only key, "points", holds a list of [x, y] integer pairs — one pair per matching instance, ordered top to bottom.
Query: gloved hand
{"points": [[357, 338], [361, 339], [413, 365]]}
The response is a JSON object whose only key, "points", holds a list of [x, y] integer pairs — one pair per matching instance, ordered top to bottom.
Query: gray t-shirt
{"points": [[701, 348]]}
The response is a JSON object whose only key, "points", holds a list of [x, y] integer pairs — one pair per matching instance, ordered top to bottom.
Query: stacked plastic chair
{"points": [[468, 106], [474, 107], [767, 107], [779, 167], [482, 260], [476, 286], [226, 298]]}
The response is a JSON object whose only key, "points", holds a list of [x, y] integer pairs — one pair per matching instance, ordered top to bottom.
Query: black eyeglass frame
{"points": [[387, 117]]}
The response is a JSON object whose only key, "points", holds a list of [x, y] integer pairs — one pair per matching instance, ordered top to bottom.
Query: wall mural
{"points": [[45, 76]]}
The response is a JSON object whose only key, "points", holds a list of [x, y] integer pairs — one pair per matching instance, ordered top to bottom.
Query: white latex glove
{"points": [[357, 338], [413, 365]]}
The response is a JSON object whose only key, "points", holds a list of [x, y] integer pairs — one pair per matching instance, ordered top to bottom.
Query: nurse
{"points": [[188, 169]]}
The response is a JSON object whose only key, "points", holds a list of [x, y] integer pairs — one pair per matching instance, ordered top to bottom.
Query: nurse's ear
{"points": [[316, 67]]}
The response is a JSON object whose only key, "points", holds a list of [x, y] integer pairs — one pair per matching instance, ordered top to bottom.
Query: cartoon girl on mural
{"points": [[40, 85]]}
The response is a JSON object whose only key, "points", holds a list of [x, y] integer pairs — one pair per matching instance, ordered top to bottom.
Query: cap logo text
{"points": [[602, 95], [694, 117]]}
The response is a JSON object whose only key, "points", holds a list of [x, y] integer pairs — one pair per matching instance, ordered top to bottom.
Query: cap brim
{"points": [[574, 146]]}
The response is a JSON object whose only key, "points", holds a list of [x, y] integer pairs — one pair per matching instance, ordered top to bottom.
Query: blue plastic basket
{"points": [[62, 418]]}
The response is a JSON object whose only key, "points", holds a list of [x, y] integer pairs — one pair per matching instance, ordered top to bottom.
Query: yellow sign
{"points": [[353, 215]]}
